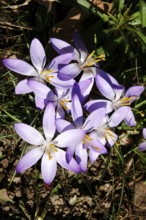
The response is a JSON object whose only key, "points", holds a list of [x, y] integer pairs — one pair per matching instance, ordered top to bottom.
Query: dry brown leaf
{"points": [[4, 198]]}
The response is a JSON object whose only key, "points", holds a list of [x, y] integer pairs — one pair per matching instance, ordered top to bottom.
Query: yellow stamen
{"points": [[90, 61], [46, 72], [48, 78], [126, 100], [62, 103], [108, 133], [86, 138], [51, 148], [96, 148], [49, 155]]}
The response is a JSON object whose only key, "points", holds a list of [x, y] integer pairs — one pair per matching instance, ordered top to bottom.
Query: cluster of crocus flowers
{"points": [[76, 127]]}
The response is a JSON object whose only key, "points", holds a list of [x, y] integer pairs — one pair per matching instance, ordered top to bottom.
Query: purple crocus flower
{"points": [[83, 61], [38, 70], [60, 98], [118, 98], [142, 146], [47, 148], [80, 149]]}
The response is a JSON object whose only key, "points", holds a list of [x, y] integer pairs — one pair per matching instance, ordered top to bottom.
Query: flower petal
{"points": [[61, 46], [80, 46], [38, 55], [61, 59], [20, 66], [69, 71], [62, 84], [22, 87], [85, 87], [104, 87], [41, 90], [134, 91], [39, 102], [96, 104], [77, 111], [118, 116], [130, 118], [94, 119], [49, 122], [63, 125], [144, 132], [29, 134], [69, 137], [142, 146], [70, 152], [93, 155], [60, 156], [81, 156], [29, 159], [48, 168]]}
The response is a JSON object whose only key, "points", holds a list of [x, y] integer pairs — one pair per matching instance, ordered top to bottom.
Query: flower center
{"points": [[90, 60], [46, 74], [125, 101], [62, 103], [108, 134], [88, 141], [50, 148]]}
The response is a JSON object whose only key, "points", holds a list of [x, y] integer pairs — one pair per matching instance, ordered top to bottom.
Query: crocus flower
{"points": [[83, 61], [38, 70], [60, 97], [117, 97], [142, 146], [47, 148], [80, 149]]}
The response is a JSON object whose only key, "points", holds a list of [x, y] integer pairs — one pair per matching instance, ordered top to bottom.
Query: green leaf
{"points": [[121, 5], [142, 6], [139, 34]]}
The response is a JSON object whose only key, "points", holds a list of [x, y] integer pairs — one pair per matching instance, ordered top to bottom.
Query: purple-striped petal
{"points": [[61, 46], [80, 46], [38, 56], [61, 59], [20, 66], [69, 71], [62, 84], [22, 87], [85, 87], [105, 88], [41, 90], [134, 91], [39, 102], [93, 105], [77, 111], [60, 113], [118, 116], [130, 118], [94, 119], [49, 122], [63, 125], [29, 134], [67, 138], [70, 152], [93, 155], [60, 156], [81, 156], [29, 159], [48, 168]]}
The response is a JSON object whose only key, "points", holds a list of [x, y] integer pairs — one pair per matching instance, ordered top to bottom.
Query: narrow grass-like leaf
{"points": [[142, 6]]}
